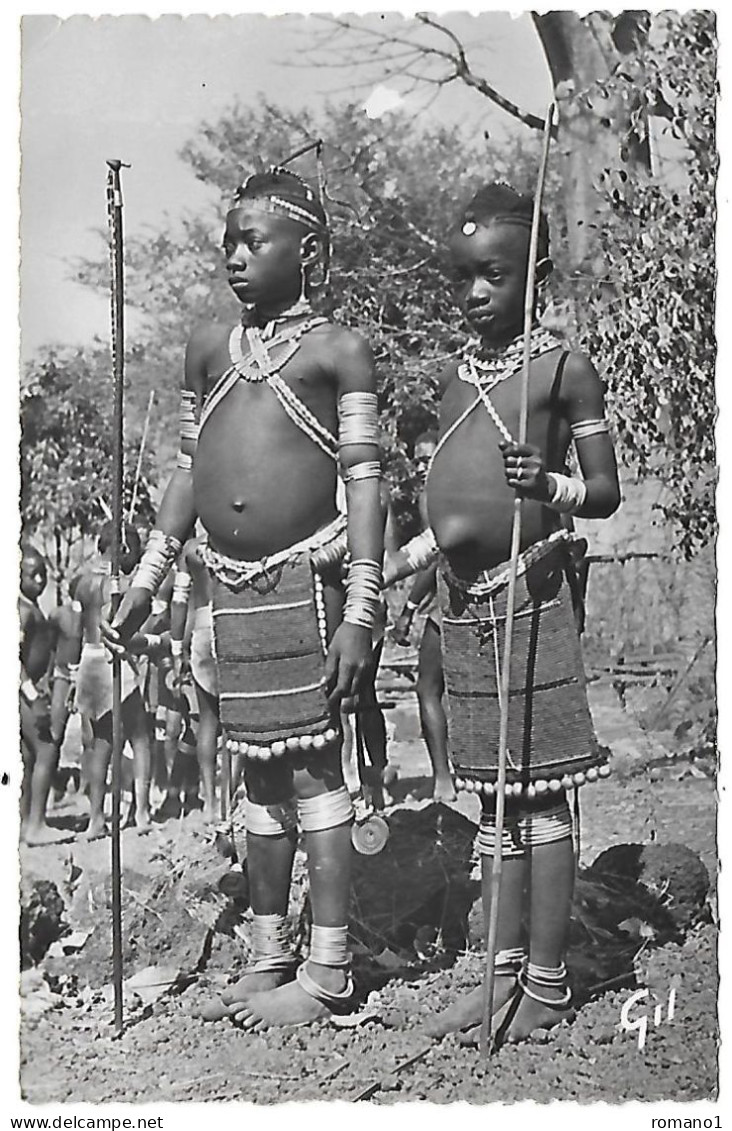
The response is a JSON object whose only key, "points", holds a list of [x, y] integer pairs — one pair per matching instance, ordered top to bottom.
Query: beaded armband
{"points": [[358, 419], [582, 429], [188, 430], [367, 469], [569, 494], [421, 551], [160, 553], [181, 588], [363, 592], [73, 670], [29, 691]]}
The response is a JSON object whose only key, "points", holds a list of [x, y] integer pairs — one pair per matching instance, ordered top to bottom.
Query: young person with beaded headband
{"points": [[268, 409], [476, 469]]}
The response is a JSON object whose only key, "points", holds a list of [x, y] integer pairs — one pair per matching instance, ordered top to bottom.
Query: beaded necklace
{"points": [[257, 339], [258, 366], [485, 373]]}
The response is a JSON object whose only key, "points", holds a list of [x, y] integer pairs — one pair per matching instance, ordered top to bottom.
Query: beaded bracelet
{"points": [[358, 419], [188, 426], [582, 429], [367, 469], [568, 495], [421, 551], [160, 553], [181, 588], [363, 592], [29, 691]]}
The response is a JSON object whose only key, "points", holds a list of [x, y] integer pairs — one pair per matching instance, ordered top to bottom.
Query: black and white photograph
{"points": [[365, 564]]}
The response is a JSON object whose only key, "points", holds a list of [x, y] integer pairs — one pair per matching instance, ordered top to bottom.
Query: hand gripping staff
{"points": [[116, 262], [487, 1042]]}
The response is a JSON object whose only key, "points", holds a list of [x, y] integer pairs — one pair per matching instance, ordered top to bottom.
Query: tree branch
{"points": [[456, 57]]}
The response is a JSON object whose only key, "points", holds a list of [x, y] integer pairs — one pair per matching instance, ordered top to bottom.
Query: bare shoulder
{"points": [[204, 341], [342, 342], [346, 355], [579, 373], [582, 389], [88, 590], [25, 612]]}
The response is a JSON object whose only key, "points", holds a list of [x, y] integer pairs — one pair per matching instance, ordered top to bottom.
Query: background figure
{"points": [[430, 678], [94, 686], [39, 749]]}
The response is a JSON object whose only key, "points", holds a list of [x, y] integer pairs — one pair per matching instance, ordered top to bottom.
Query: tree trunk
{"points": [[582, 53]]}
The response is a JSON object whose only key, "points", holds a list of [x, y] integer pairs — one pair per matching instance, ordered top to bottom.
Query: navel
{"points": [[238, 506]]}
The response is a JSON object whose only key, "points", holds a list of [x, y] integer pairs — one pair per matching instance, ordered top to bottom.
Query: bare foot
{"points": [[389, 775], [443, 789], [210, 816], [143, 822], [97, 829], [44, 834], [250, 984], [287, 1005], [467, 1011], [532, 1016]]}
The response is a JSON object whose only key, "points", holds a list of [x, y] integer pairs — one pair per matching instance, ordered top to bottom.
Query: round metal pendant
{"points": [[469, 228], [370, 836]]}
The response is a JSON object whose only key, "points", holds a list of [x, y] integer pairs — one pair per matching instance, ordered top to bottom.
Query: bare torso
{"points": [[260, 484], [469, 503], [93, 594], [65, 622], [37, 640]]}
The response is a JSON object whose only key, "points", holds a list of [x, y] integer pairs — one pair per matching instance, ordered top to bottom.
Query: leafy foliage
{"points": [[649, 322], [66, 451]]}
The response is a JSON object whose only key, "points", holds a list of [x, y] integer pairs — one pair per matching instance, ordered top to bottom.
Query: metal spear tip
{"points": [[116, 164]]}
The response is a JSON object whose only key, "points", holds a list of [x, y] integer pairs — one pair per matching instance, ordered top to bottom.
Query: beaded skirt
{"points": [[270, 641], [551, 741]]}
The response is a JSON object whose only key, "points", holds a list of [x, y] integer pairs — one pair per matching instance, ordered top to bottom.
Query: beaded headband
{"points": [[270, 197]]}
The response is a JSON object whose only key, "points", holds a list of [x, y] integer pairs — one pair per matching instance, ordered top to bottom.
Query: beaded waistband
{"points": [[237, 573], [489, 581]]}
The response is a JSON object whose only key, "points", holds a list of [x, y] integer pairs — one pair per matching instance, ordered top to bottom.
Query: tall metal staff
{"points": [[116, 261], [486, 1043]]}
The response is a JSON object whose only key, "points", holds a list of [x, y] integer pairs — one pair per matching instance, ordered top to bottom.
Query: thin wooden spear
{"points": [[116, 259], [486, 1043]]}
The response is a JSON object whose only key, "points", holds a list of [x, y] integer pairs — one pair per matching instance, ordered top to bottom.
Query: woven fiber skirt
{"points": [[269, 642], [550, 734]]}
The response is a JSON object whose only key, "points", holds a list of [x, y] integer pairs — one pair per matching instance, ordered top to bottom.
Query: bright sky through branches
{"points": [[138, 88]]}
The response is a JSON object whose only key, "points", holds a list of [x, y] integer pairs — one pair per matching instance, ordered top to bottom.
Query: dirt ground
{"points": [[168, 1054]]}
